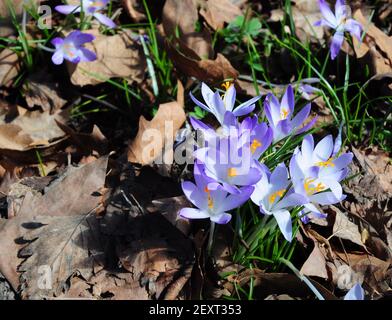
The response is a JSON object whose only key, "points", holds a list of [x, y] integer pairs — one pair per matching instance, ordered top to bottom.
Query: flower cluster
{"points": [[71, 47], [229, 167]]}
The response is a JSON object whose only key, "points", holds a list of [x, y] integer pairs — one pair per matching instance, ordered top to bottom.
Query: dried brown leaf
{"points": [[135, 10], [219, 12], [180, 17], [118, 56], [9, 66], [210, 71], [40, 90], [30, 129], [155, 138], [60, 198]]}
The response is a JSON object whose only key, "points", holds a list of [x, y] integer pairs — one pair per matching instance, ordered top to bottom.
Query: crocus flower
{"points": [[90, 8], [340, 22], [71, 48], [218, 106], [281, 115], [260, 135], [230, 162], [315, 170], [273, 196], [211, 203], [355, 293]]}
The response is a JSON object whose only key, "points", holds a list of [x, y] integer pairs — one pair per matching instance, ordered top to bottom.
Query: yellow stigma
{"points": [[226, 85], [284, 113], [255, 144], [325, 164], [232, 172], [311, 189], [276, 194], [209, 199]]}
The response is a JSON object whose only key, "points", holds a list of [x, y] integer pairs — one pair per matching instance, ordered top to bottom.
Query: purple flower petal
{"points": [[67, 9], [340, 10], [327, 13], [104, 20], [354, 27], [82, 38], [57, 42], [336, 44], [87, 55], [58, 57], [229, 98], [288, 100], [198, 103], [246, 107], [301, 116], [307, 126], [307, 146], [324, 148], [194, 195], [235, 200], [291, 200], [191, 213], [222, 218], [283, 219], [355, 293]]}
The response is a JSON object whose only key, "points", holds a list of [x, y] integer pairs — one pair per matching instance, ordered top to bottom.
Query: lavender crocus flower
{"points": [[90, 8], [340, 22], [71, 48], [218, 106], [281, 115], [260, 134], [230, 162], [314, 170], [273, 196], [211, 203], [355, 293]]}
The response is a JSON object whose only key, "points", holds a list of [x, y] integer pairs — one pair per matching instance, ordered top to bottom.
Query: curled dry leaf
{"points": [[135, 10], [219, 12], [180, 17], [376, 44], [118, 56], [9, 66], [210, 71], [40, 90], [30, 129], [154, 140], [60, 198], [345, 229]]}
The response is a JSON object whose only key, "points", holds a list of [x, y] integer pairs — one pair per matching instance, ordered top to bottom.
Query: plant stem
{"points": [[211, 237], [302, 277]]}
